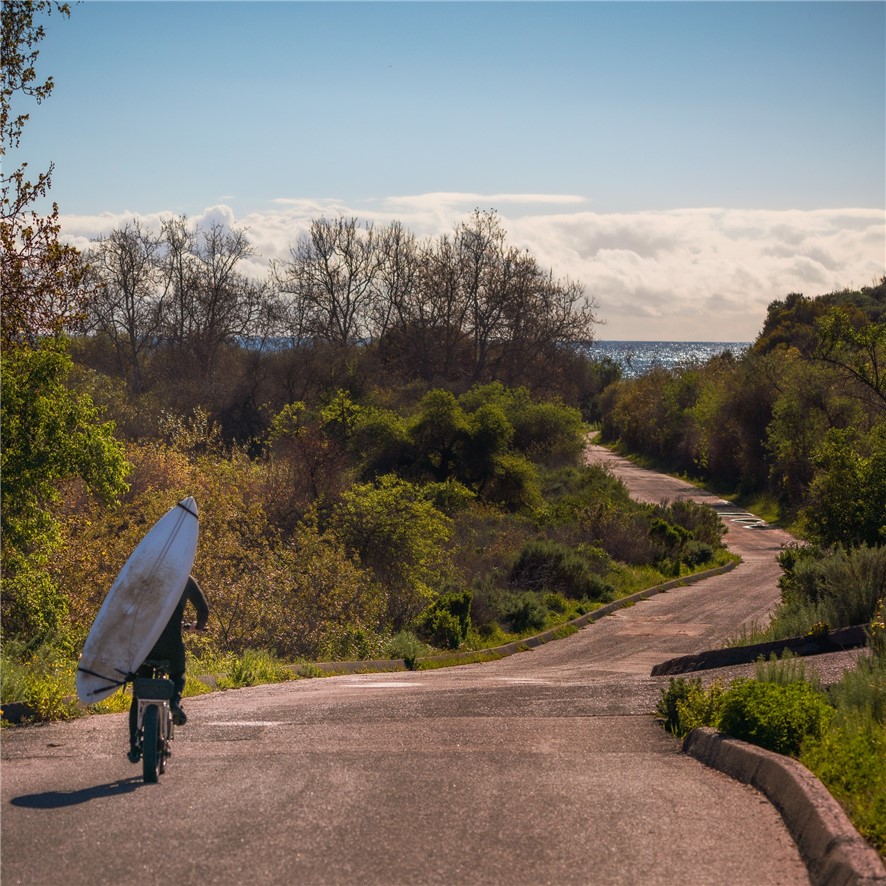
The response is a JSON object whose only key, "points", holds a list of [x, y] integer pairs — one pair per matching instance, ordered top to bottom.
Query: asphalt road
{"points": [[543, 768]]}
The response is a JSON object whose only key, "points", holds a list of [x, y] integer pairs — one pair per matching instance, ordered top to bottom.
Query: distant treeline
{"points": [[460, 309], [801, 416]]}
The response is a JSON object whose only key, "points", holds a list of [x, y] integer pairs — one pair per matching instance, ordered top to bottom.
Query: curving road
{"points": [[543, 768]]}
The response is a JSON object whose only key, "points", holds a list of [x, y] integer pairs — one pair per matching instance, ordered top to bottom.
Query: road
{"points": [[543, 768]]}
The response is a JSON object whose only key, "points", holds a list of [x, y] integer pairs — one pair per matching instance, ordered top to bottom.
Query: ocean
{"points": [[636, 357]]}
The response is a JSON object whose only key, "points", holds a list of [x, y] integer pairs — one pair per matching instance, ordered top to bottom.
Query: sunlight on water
{"points": [[636, 357]]}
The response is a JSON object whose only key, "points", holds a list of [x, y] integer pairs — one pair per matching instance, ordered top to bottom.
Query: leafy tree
{"points": [[42, 277], [856, 347], [49, 436], [847, 496], [394, 531]]}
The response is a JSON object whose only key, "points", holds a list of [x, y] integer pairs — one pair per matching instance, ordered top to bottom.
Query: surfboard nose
{"points": [[189, 505]]}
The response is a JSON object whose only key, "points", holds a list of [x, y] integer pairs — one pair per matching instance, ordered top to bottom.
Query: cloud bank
{"points": [[683, 274]]}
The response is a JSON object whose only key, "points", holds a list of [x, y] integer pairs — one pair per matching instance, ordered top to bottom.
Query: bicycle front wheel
{"points": [[151, 750]]}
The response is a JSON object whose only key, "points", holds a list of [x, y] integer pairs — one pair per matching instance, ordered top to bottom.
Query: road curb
{"points": [[831, 641], [398, 664], [17, 711], [834, 852]]}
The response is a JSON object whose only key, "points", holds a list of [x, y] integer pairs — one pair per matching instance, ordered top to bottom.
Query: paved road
{"points": [[543, 768]]}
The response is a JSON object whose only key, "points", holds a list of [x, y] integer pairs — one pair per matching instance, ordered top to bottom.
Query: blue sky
{"points": [[688, 162]]}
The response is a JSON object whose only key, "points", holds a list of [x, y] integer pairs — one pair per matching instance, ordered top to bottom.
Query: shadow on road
{"points": [[58, 799]]}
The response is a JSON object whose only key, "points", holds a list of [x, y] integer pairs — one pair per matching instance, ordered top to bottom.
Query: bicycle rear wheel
{"points": [[152, 753]]}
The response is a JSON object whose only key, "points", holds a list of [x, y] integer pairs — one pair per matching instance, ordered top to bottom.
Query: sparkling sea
{"points": [[636, 357]]}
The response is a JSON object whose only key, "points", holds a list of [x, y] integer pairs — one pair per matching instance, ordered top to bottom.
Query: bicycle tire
{"points": [[151, 750], [165, 751]]}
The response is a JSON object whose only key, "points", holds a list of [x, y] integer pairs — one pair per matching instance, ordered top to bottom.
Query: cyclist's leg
{"points": [[178, 715], [133, 730]]}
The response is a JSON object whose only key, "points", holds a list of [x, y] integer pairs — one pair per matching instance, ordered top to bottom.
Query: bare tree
{"points": [[331, 276], [128, 302], [209, 302]]}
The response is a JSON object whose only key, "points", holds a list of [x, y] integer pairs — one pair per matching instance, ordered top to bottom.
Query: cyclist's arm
{"points": [[198, 600]]}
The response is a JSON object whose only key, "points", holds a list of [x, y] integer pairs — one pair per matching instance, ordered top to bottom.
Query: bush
{"points": [[514, 483], [696, 553], [547, 565], [838, 586], [525, 613], [446, 622], [405, 645], [254, 667], [42, 678], [862, 690], [686, 705], [774, 716], [848, 759]]}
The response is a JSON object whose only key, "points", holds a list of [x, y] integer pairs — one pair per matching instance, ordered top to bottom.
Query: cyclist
{"points": [[171, 647]]}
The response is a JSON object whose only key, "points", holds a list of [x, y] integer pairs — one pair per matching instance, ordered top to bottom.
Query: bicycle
{"points": [[154, 691]]}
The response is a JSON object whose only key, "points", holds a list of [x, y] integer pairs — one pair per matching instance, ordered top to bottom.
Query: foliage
{"points": [[43, 291], [799, 417], [49, 436], [847, 496], [396, 533], [551, 566], [837, 586], [524, 612], [446, 622], [405, 645], [252, 668], [42, 677], [685, 705], [775, 716], [848, 759]]}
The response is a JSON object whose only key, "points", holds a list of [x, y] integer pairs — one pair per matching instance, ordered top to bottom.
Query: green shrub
{"points": [[514, 483], [696, 553], [550, 566], [838, 587], [555, 603], [524, 613], [446, 622], [876, 632], [405, 645], [252, 668], [784, 671], [42, 678], [862, 690], [686, 705], [774, 716], [848, 758]]}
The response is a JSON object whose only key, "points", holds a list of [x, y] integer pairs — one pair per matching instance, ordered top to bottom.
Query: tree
{"points": [[42, 277], [330, 279], [209, 301], [128, 306], [855, 346], [49, 436], [847, 496], [397, 533]]}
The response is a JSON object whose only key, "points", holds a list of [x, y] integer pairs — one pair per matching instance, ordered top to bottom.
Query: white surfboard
{"points": [[139, 603]]}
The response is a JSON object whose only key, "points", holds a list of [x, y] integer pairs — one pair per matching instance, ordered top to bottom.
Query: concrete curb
{"points": [[832, 641], [524, 645], [16, 711], [834, 852]]}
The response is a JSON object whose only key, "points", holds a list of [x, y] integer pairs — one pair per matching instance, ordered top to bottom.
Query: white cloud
{"points": [[684, 274]]}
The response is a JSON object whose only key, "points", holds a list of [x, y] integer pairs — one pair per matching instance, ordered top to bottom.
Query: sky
{"points": [[688, 163]]}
